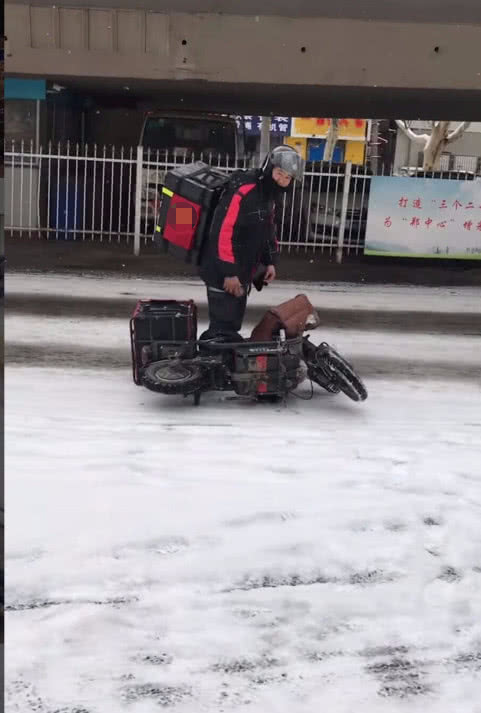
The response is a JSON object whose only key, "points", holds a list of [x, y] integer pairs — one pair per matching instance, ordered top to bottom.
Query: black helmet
{"points": [[286, 158]]}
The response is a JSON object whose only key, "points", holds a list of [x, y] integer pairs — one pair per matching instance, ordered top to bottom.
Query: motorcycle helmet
{"points": [[286, 158]]}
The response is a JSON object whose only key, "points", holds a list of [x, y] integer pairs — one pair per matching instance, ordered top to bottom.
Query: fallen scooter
{"points": [[168, 358]]}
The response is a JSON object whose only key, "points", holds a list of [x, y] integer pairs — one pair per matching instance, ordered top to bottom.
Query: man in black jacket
{"points": [[243, 237]]}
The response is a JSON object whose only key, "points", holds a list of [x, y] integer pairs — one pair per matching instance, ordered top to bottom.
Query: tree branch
{"points": [[458, 132], [418, 138]]}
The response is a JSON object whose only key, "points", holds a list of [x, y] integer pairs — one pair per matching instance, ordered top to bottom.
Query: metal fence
{"points": [[68, 192], [108, 194]]}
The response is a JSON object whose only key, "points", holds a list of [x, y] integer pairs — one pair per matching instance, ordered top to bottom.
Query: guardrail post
{"points": [[138, 198], [345, 198]]}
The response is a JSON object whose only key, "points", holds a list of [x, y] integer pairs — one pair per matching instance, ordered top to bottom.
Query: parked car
{"points": [[326, 196], [327, 223]]}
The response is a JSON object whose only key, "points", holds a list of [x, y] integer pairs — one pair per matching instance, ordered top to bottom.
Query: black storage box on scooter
{"points": [[189, 197], [162, 329]]}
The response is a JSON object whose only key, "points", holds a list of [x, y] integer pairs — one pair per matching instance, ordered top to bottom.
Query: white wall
{"points": [[21, 206]]}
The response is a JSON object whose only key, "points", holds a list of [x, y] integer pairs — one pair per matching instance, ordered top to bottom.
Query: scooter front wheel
{"points": [[329, 369], [346, 378]]}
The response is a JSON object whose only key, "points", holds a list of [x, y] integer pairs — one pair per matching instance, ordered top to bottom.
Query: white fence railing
{"points": [[112, 195]]}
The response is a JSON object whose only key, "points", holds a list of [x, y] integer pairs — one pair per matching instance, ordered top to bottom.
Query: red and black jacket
{"points": [[242, 234]]}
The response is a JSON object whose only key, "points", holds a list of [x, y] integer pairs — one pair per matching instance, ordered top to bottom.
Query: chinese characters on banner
{"points": [[252, 125], [424, 218]]}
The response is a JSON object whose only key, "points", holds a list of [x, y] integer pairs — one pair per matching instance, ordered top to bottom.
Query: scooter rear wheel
{"points": [[174, 376]]}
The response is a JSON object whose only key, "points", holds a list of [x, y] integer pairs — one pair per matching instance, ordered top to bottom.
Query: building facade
{"points": [[464, 154]]}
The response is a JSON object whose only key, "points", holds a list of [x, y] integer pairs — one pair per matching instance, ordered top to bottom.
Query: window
{"points": [[445, 161], [465, 163]]}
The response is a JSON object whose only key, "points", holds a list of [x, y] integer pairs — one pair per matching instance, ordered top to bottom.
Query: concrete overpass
{"points": [[376, 58]]}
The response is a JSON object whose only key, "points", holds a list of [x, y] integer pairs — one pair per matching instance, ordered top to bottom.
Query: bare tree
{"points": [[331, 139], [435, 142]]}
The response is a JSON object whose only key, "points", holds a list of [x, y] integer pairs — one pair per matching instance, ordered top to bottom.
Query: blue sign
{"points": [[25, 88], [280, 125], [316, 151]]}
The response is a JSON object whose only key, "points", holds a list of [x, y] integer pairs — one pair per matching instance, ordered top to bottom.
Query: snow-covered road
{"points": [[457, 299], [320, 555]]}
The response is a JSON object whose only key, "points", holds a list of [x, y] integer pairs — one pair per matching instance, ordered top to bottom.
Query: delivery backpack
{"points": [[190, 195]]}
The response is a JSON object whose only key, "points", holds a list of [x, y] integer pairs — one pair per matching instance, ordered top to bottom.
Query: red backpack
{"points": [[189, 198]]}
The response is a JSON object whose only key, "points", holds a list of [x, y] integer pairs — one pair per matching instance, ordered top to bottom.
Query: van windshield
{"points": [[178, 135]]}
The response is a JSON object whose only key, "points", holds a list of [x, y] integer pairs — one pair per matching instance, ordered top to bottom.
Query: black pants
{"points": [[226, 314]]}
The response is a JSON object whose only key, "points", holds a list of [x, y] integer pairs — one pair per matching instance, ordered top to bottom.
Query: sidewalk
{"points": [[53, 256], [429, 310]]}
